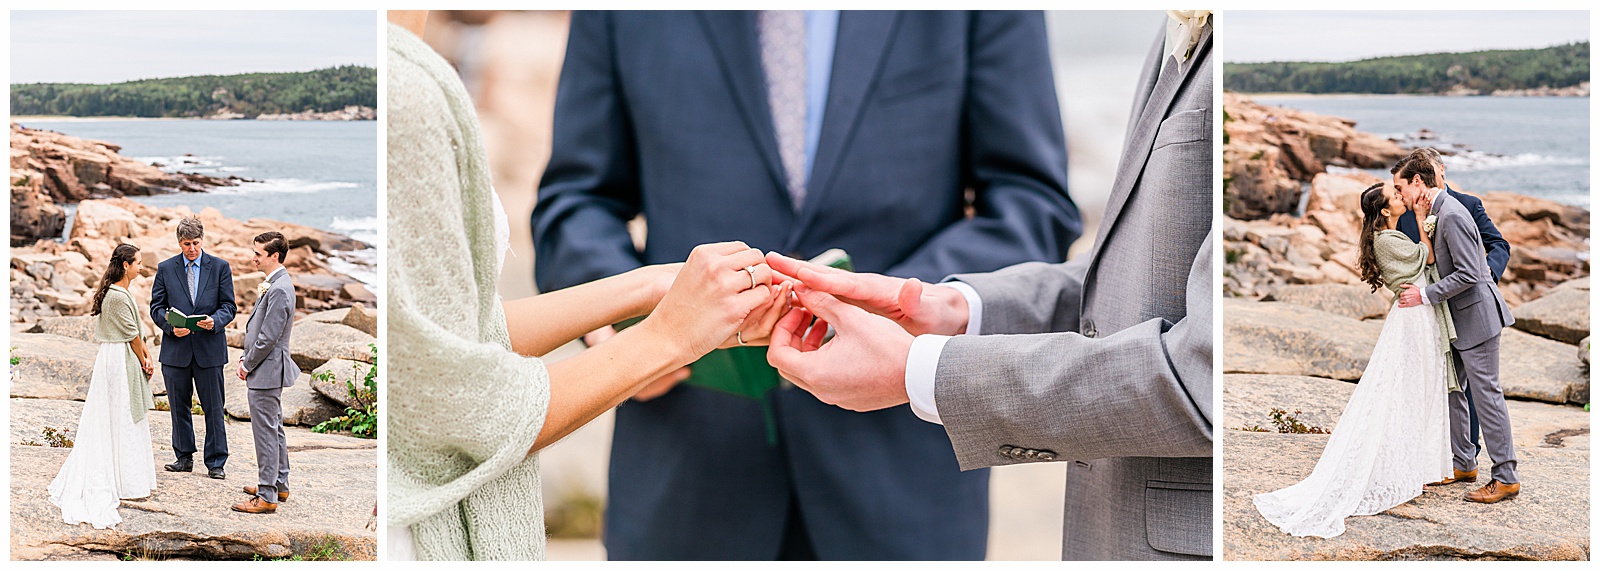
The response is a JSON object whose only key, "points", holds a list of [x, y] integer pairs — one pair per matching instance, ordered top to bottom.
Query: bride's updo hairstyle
{"points": [[1373, 201], [123, 254]]}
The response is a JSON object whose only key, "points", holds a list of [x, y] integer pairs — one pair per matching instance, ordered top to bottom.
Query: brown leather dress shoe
{"points": [[1459, 477], [1493, 492], [282, 496], [255, 506]]}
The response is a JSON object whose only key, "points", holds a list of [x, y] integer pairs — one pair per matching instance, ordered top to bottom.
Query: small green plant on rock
{"points": [[162, 405], [360, 420], [1288, 423], [56, 438]]}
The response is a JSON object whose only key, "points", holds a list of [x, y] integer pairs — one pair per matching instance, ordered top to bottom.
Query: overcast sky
{"points": [[1346, 36], [114, 46]]}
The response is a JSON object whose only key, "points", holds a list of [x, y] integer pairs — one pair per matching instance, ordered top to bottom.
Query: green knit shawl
{"points": [[119, 323]]}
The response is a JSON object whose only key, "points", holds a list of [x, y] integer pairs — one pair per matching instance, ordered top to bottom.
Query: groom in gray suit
{"points": [[1479, 313], [1103, 361], [266, 369]]}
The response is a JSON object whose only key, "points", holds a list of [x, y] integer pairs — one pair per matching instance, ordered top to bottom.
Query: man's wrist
{"points": [[964, 312]]}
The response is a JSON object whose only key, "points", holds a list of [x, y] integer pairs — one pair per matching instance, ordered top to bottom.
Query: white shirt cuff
{"points": [[1422, 291], [974, 306], [922, 363]]}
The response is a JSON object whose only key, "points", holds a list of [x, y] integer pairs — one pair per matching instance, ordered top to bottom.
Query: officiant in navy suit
{"points": [[922, 143], [194, 283]]}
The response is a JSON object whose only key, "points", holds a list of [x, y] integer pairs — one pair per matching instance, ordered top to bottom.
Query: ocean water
{"points": [[1536, 146], [317, 173], [322, 174]]}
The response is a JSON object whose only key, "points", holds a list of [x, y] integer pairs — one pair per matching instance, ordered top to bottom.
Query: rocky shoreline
{"points": [[349, 113], [1299, 327]]}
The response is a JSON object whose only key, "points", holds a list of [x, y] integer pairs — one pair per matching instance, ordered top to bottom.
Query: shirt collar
{"points": [[195, 262], [274, 274]]}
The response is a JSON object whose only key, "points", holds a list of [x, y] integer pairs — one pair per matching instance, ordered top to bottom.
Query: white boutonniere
{"points": [[1183, 31], [1430, 223], [262, 288]]}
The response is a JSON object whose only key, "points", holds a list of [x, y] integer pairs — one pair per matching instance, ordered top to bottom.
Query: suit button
{"points": [[1088, 329], [1006, 450], [1019, 453], [1033, 454], [1047, 455]]}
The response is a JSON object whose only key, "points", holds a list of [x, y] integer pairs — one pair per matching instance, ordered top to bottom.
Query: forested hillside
{"points": [[1485, 71], [248, 94]]}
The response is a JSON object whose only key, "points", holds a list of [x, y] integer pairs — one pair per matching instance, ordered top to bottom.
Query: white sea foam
{"points": [[1469, 160], [285, 186], [363, 228], [359, 264]]}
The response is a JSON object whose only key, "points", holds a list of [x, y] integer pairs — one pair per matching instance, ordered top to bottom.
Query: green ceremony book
{"points": [[176, 318]]}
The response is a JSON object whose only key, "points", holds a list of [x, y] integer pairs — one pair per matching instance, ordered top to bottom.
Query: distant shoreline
{"points": [[76, 119]]}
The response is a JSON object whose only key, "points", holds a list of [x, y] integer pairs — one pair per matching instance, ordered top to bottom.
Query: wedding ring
{"points": [[752, 271], [740, 336]]}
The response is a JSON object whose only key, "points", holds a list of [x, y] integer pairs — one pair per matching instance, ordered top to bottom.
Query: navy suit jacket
{"points": [[665, 114], [1498, 250], [215, 298]]}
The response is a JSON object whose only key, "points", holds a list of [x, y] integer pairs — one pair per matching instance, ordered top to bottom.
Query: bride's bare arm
{"points": [[706, 303], [541, 323]]}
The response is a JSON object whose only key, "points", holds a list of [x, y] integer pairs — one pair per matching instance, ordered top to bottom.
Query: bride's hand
{"points": [[710, 298], [757, 328], [149, 369]]}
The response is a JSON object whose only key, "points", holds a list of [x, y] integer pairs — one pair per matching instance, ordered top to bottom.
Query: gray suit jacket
{"points": [[1475, 302], [266, 337], [1113, 373]]}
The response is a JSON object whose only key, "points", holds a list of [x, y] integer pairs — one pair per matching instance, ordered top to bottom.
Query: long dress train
{"points": [[1392, 438], [111, 458]]}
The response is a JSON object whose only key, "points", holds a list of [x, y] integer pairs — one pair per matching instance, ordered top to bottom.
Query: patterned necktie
{"points": [[783, 57], [194, 280]]}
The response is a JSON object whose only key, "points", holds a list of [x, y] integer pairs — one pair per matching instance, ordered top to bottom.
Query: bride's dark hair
{"points": [[1373, 201], [124, 253]]}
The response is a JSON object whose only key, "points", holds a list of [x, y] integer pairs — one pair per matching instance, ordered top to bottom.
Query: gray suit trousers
{"points": [[1478, 369], [272, 450]]}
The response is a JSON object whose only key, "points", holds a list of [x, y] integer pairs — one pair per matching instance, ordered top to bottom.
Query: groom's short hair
{"points": [[1426, 153], [1418, 164], [190, 229], [273, 243]]}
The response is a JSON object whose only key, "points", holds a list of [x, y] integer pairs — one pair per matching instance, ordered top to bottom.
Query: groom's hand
{"points": [[1411, 296], [916, 307], [862, 368]]}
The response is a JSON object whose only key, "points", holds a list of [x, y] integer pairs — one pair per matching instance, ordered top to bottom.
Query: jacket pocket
{"points": [[926, 76], [1183, 127], [1467, 298], [1177, 517]]}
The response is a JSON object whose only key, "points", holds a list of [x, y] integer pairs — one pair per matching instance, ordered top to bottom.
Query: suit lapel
{"points": [[864, 37], [733, 38], [1147, 81], [1142, 137]]}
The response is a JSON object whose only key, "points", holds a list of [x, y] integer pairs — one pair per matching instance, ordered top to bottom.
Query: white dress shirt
{"points": [[1434, 207], [923, 360]]}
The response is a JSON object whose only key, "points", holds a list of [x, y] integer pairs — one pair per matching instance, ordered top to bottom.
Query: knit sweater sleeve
{"points": [[463, 409]]}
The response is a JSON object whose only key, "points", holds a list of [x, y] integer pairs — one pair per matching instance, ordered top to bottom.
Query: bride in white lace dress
{"points": [[1394, 434], [111, 459]]}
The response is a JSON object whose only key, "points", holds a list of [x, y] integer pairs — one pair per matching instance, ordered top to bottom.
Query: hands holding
{"points": [[723, 296], [180, 331]]}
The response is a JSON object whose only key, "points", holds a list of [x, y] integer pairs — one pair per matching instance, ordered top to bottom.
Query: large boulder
{"points": [[1353, 301], [1561, 314], [80, 327], [1285, 339], [313, 343], [51, 366], [1536, 368], [332, 377], [300, 404], [187, 516]]}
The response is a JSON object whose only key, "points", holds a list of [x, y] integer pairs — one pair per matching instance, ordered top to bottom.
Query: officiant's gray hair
{"points": [[1429, 153], [190, 229]]}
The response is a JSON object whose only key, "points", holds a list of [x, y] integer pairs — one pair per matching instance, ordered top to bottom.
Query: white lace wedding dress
{"points": [[1393, 437], [111, 458]]}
